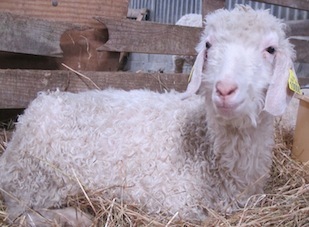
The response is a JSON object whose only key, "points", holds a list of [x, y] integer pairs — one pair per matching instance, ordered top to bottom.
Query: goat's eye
{"points": [[208, 45], [271, 50]]}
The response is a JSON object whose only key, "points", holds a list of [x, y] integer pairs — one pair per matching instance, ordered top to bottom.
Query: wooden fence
{"points": [[39, 39]]}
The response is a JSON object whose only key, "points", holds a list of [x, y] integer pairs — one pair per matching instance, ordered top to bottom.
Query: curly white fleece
{"points": [[156, 151]]}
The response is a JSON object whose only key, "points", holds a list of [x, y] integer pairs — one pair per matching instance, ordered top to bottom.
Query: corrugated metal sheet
{"points": [[169, 11], [279, 11]]}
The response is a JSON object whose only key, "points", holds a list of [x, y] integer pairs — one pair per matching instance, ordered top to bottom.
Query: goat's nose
{"points": [[226, 88]]}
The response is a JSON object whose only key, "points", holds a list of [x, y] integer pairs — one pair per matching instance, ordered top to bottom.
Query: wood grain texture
{"points": [[211, 5], [73, 11], [299, 27], [20, 34], [299, 36], [148, 37], [76, 45], [302, 49], [303, 81], [19, 87]]}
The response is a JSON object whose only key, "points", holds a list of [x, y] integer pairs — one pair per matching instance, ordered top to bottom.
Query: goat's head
{"points": [[243, 63]]}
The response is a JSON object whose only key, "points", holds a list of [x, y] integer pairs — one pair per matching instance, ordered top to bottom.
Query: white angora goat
{"points": [[191, 20], [169, 153]]}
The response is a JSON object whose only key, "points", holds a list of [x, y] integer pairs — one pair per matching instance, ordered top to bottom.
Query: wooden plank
{"points": [[296, 4], [211, 5], [73, 11], [138, 15], [299, 27], [26, 35], [299, 36], [142, 37], [147, 37], [302, 48], [79, 51], [303, 81], [19, 87]]}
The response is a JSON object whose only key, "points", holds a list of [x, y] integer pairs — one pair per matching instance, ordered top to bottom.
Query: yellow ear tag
{"points": [[191, 73], [293, 82]]}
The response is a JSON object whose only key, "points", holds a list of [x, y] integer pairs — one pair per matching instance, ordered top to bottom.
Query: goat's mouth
{"points": [[229, 110]]}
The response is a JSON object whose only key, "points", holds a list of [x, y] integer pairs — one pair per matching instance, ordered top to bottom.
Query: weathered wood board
{"points": [[211, 5], [73, 11], [299, 27], [28, 35], [124, 35], [148, 37], [74, 43], [79, 47], [302, 48], [79, 52], [19, 87]]}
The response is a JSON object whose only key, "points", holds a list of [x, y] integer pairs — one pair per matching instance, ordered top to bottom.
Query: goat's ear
{"points": [[196, 75], [278, 94]]}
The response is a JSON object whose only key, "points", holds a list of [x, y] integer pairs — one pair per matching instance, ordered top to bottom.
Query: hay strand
{"points": [[81, 75]]}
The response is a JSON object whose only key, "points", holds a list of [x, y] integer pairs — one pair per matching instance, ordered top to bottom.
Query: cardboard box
{"points": [[300, 150]]}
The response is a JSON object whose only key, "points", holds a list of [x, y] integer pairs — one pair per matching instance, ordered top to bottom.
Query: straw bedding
{"points": [[285, 202]]}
